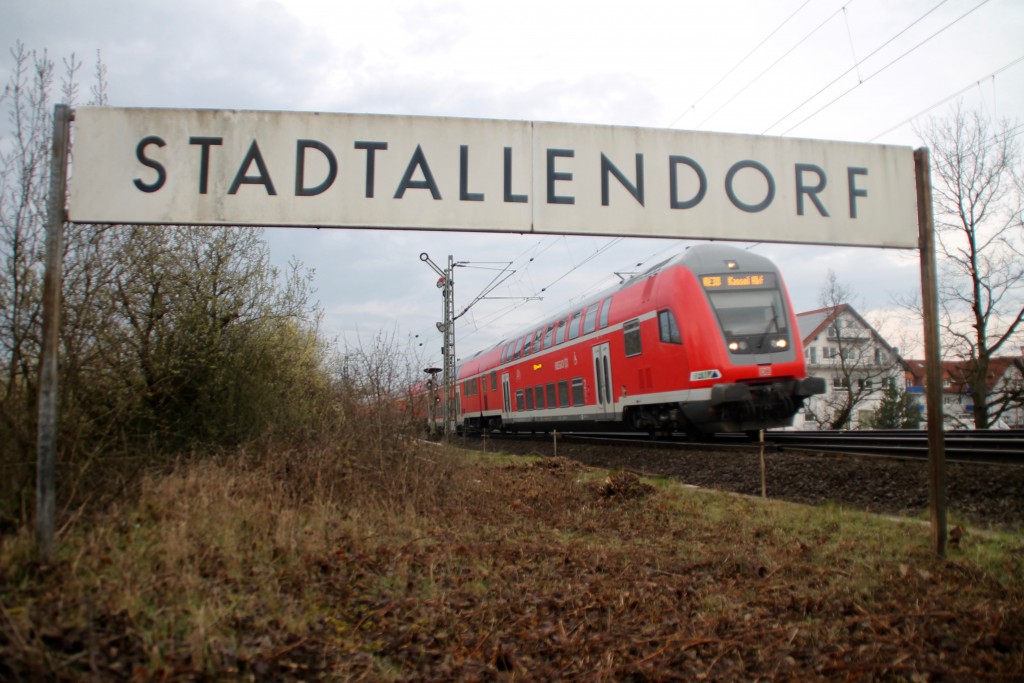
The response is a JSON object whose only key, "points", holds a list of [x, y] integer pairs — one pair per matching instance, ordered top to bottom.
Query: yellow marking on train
{"points": [[538, 366]]}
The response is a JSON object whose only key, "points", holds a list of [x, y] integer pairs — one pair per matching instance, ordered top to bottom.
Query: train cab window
{"points": [[606, 307], [590, 321], [574, 325], [668, 330], [560, 334], [549, 336], [631, 337], [519, 349], [494, 380], [550, 391], [577, 391], [539, 392], [563, 394], [529, 398]]}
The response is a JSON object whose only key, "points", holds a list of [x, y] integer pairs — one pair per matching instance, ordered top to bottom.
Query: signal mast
{"points": [[447, 328]]}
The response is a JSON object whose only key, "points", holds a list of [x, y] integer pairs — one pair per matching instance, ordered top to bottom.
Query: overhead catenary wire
{"points": [[739, 63], [771, 66], [885, 67], [840, 76], [946, 99]]}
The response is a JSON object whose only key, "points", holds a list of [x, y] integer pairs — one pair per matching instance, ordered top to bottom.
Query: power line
{"points": [[923, 42], [873, 53], [775, 63], [738, 64], [950, 97]]}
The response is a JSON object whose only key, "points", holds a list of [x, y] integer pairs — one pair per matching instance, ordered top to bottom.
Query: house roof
{"points": [[813, 323], [957, 374]]}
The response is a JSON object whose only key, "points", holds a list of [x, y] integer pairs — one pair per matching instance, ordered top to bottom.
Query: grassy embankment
{"points": [[423, 563]]}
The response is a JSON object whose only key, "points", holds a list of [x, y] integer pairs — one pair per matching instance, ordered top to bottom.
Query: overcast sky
{"points": [[859, 70]]}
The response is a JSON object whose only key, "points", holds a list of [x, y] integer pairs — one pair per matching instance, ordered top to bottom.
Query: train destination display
{"points": [[165, 166]]}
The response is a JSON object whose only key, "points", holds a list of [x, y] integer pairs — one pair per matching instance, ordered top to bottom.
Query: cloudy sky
{"points": [[851, 70]]}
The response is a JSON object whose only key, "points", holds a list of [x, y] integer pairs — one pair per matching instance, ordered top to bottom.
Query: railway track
{"points": [[975, 446], [980, 446], [984, 491]]}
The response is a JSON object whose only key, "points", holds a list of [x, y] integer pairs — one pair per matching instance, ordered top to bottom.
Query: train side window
{"points": [[606, 307], [590, 321], [574, 325], [668, 330], [560, 335], [548, 336], [631, 337], [537, 340], [527, 344], [519, 349], [494, 380], [550, 391], [577, 391], [563, 394], [540, 396], [529, 398], [519, 400]]}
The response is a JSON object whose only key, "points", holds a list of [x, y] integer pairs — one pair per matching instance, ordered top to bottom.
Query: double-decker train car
{"points": [[703, 342]]}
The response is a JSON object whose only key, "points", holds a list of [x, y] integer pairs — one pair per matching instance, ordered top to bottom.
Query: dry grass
{"points": [[420, 563]]}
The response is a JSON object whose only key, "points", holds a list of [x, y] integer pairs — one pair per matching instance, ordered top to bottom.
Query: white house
{"points": [[856, 363]]}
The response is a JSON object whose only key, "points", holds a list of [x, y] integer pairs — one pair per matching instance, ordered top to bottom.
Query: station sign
{"points": [[215, 167]]}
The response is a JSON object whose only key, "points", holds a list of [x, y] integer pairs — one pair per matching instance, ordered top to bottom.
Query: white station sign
{"points": [[214, 167]]}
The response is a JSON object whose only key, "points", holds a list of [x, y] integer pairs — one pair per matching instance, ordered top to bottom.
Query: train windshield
{"points": [[751, 311], [747, 312]]}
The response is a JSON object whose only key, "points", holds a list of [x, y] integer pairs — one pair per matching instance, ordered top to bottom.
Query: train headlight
{"points": [[780, 343], [734, 346]]}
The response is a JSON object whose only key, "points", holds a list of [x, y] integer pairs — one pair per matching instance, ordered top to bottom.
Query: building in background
{"points": [[858, 365], [1005, 382]]}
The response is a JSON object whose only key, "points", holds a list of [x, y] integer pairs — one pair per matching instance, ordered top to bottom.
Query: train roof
{"points": [[700, 258]]}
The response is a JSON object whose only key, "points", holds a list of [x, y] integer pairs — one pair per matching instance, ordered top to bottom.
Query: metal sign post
{"points": [[932, 353]]}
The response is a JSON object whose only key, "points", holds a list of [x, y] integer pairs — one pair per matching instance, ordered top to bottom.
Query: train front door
{"points": [[603, 381]]}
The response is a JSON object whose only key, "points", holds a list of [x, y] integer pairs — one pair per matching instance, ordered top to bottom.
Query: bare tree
{"points": [[979, 199]]}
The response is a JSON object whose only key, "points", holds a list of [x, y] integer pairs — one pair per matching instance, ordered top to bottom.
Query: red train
{"points": [[703, 342]]}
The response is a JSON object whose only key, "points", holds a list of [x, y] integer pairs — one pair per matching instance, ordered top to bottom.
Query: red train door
{"points": [[603, 381], [506, 395]]}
